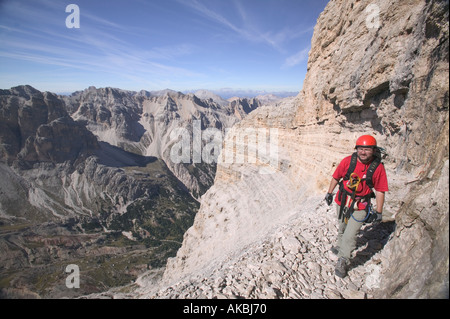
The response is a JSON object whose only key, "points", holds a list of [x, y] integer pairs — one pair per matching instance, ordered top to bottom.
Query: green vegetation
{"points": [[107, 259]]}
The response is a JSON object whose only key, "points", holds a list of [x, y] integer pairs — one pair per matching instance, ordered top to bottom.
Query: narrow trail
{"points": [[293, 262]]}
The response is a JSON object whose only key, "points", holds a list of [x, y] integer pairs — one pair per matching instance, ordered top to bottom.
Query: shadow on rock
{"points": [[371, 240]]}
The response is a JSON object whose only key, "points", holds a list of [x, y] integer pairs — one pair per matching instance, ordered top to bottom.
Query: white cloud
{"points": [[248, 31], [90, 49], [296, 59]]}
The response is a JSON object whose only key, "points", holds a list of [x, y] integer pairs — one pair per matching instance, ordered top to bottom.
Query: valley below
{"points": [[88, 180]]}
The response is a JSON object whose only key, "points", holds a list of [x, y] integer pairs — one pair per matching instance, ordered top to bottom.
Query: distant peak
{"points": [[26, 91], [206, 95]]}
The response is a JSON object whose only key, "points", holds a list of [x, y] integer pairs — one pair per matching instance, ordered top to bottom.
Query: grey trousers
{"points": [[346, 240]]}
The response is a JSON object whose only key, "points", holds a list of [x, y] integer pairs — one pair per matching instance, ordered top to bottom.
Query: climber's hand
{"points": [[329, 198], [375, 218]]}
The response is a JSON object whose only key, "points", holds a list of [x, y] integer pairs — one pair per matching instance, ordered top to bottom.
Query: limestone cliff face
{"points": [[374, 68], [390, 81], [31, 125]]}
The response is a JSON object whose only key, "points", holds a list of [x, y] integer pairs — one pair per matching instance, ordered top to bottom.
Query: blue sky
{"points": [[259, 45]]}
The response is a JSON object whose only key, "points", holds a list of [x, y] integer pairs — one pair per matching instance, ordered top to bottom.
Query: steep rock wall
{"points": [[374, 68], [392, 82]]}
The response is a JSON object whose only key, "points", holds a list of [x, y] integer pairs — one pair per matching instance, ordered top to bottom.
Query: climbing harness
{"points": [[370, 170], [348, 199], [347, 203]]}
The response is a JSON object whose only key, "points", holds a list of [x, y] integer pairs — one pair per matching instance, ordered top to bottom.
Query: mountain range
{"points": [[89, 175]]}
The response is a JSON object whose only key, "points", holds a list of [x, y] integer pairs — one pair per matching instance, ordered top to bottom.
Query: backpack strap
{"points": [[373, 166], [351, 167]]}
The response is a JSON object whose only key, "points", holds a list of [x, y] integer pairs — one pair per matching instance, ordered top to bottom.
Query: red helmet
{"points": [[366, 140]]}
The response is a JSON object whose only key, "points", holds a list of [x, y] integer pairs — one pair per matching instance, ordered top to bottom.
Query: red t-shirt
{"points": [[379, 179]]}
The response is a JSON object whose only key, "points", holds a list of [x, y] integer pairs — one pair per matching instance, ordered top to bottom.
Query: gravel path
{"points": [[294, 261]]}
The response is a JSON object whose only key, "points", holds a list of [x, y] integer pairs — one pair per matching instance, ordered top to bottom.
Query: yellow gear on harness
{"points": [[354, 181], [353, 184]]}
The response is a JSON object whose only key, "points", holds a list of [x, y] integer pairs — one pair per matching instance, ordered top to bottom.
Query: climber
{"points": [[357, 176]]}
